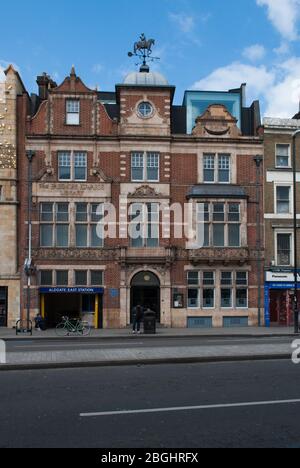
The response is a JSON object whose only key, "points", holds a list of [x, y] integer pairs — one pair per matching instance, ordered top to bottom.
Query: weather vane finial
{"points": [[143, 50]]}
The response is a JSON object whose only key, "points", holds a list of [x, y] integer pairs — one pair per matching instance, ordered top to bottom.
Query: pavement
{"points": [[122, 348], [230, 405]]}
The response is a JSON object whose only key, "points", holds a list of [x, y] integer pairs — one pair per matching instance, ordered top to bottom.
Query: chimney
{"points": [[45, 83]]}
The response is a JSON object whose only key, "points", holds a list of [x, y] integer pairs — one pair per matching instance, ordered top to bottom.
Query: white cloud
{"points": [[284, 15], [186, 23], [283, 49], [255, 52], [98, 68], [259, 79]]}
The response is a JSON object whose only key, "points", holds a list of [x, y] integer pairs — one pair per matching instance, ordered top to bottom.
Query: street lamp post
{"points": [[258, 161], [28, 263], [296, 314]]}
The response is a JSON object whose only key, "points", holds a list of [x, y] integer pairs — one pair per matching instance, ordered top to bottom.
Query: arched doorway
{"points": [[145, 291]]}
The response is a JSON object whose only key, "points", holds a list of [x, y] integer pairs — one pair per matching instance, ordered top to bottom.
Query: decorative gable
{"points": [[216, 122]]}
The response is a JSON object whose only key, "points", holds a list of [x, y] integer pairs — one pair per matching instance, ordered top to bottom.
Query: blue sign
{"points": [[71, 290]]}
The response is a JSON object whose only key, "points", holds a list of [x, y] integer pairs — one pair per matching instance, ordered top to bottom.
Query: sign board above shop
{"points": [[281, 277], [72, 290]]}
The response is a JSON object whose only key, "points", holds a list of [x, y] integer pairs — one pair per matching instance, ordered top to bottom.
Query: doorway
{"points": [[145, 291], [3, 306]]}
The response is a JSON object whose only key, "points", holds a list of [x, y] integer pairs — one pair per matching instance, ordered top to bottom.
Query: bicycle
{"points": [[73, 327]]}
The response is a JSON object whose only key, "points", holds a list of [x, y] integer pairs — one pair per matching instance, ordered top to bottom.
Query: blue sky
{"points": [[205, 45]]}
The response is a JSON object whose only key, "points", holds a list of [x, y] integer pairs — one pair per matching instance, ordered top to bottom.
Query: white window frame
{"points": [[70, 114], [72, 155], [147, 155], [290, 156], [217, 157], [291, 201], [291, 233], [241, 286]]}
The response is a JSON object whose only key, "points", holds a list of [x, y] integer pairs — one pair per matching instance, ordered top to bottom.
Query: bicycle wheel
{"points": [[84, 329], [61, 330]]}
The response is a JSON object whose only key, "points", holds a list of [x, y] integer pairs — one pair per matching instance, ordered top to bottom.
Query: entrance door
{"points": [[145, 291], [3, 307]]}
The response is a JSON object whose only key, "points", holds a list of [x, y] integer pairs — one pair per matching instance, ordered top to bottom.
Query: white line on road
{"points": [[190, 408]]}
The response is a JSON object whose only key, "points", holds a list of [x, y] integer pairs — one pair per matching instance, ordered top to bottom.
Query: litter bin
{"points": [[149, 322]]}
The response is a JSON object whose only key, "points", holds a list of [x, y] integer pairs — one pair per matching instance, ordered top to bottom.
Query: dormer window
{"points": [[145, 110], [73, 112]]}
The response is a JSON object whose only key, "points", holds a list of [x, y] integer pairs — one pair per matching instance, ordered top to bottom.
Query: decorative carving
{"points": [[216, 121], [97, 172], [145, 191], [76, 254], [224, 255]]}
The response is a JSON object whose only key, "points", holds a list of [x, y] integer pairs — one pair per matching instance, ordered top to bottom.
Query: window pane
{"points": [[73, 106], [282, 155], [64, 166], [80, 166], [137, 166], [153, 166], [209, 168], [224, 168], [283, 200], [47, 212], [62, 212], [81, 212], [97, 212], [219, 212], [234, 212], [46, 235], [62, 235], [81, 235], [97, 235], [219, 235], [234, 235], [203, 236], [284, 249], [46, 278], [62, 278], [81, 278], [96, 278], [193, 278], [208, 278], [226, 278], [242, 278], [193, 298], [208, 298], [226, 298], [241, 298]]}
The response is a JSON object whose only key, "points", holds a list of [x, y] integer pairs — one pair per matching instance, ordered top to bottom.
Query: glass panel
{"points": [[73, 106], [282, 155], [64, 166], [80, 166], [137, 166], [153, 166], [209, 168], [224, 168], [283, 200], [46, 211], [62, 212], [81, 212], [97, 212], [219, 212], [233, 212], [46, 235], [62, 235], [81, 235], [97, 235], [219, 235], [234, 235], [203, 236], [284, 249], [46, 278], [62, 278], [81, 278], [96, 278], [193, 278], [208, 278], [226, 278], [242, 278], [193, 298], [208, 298], [226, 298], [242, 298]]}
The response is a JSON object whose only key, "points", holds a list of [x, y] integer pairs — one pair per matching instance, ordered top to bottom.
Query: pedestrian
{"points": [[137, 313], [38, 322]]}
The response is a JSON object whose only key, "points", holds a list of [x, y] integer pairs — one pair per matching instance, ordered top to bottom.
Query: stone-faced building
{"points": [[10, 89], [134, 149], [279, 224]]}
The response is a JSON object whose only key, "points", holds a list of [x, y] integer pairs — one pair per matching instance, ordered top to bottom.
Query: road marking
{"points": [[44, 345], [190, 408]]}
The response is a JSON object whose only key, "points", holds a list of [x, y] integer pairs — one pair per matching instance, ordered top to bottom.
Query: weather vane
{"points": [[143, 50]]}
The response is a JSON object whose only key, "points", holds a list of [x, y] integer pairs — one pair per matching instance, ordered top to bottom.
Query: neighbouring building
{"points": [[10, 89], [136, 150], [279, 226]]}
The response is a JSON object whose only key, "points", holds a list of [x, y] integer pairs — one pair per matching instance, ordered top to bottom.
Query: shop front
{"points": [[279, 293], [82, 303]]}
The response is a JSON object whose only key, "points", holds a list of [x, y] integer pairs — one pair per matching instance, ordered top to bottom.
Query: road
{"points": [[138, 341], [52, 408]]}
